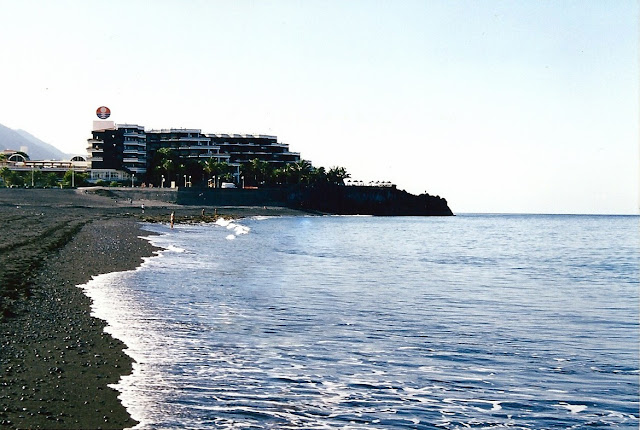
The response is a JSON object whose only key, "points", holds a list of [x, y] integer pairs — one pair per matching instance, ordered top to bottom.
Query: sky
{"points": [[527, 106]]}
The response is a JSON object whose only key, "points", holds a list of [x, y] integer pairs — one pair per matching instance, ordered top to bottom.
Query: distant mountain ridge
{"points": [[37, 149]]}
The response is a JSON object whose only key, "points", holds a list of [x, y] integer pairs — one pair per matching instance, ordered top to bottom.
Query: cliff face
{"points": [[356, 200]]}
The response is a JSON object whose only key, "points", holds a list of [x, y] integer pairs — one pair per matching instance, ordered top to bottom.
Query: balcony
{"points": [[199, 148], [134, 152], [138, 170]]}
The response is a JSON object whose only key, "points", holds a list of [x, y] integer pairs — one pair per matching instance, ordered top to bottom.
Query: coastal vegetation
{"points": [[167, 164], [39, 179]]}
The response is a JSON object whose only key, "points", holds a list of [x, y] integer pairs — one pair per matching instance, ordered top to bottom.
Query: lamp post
{"points": [[133, 177], [242, 177], [73, 178], [185, 181], [162, 182]]}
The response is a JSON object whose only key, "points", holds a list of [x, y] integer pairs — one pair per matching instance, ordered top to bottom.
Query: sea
{"points": [[353, 322]]}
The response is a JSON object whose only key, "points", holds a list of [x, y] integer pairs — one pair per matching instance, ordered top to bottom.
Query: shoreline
{"points": [[56, 360]]}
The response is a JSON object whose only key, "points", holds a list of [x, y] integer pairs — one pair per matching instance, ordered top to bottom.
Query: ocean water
{"points": [[485, 321]]}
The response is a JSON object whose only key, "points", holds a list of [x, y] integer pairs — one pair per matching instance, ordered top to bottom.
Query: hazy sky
{"points": [[498, 106]]}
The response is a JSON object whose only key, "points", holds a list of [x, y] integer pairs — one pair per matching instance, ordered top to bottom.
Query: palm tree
{"points": [[216, 169], [300, 171], [258, 172], [280, 175], [318, 175], [337, 175]]}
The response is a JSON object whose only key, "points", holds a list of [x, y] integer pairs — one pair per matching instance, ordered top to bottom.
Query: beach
{"points": [[56, 360]]}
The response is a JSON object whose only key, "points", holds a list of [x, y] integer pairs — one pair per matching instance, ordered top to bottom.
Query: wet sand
{"points": [[56, 362]]}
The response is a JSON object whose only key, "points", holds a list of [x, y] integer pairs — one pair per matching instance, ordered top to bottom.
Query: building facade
{"points": [[188, 143], [242, 148], [118, 152], [134, 153]]}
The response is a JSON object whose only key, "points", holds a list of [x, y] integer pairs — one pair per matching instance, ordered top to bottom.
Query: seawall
{"points": [[344, 200]]}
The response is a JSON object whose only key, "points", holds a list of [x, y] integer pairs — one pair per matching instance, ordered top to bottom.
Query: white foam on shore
{"points": [[222, 222], [237, 228], [174, 248]]}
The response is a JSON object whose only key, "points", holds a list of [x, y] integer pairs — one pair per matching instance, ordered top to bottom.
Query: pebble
{"points": [[57, 319]]}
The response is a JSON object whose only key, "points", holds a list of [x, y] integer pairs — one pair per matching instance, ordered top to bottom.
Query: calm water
{"points": [[360, 322]]}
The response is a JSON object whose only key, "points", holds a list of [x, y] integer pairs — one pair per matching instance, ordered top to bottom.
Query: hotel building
{"points": [[116, 152]]}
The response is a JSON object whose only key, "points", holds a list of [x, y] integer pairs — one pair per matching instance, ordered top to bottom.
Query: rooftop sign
{"points": [[103, 112]]}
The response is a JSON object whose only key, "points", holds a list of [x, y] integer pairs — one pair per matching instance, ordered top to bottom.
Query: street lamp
{"points": [[133, 177], [185, 181], [162, 183]]}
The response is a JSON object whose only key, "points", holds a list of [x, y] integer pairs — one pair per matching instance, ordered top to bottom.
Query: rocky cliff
{"points": [[362, 200]]}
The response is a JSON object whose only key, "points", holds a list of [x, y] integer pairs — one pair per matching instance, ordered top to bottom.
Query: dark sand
{"points": [[56, 361]]}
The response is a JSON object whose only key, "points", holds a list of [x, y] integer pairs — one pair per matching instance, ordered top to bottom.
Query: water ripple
{"points": [[382, 323]]}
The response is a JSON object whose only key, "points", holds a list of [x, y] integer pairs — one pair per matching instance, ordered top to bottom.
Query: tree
{"points": [[168, 160], [164, 162], [193, 169], [217, 170], [300, 171], [257, 172], [5, 174], [280, 175], [317, 175], [337, 175], [37, 177], [17, 179], [74, 179], [51, 180]]}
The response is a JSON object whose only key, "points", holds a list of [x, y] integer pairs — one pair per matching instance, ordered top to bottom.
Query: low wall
{"points": [[167, 195], [203, 197], [231, 197]]}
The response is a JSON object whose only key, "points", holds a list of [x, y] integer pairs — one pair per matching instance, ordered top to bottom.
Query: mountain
{"points": [[37, 149]]}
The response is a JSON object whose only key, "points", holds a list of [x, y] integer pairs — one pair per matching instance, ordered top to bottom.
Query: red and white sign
{"points": [[103, 112]]}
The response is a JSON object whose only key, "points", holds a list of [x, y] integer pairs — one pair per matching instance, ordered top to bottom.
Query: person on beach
{"points": [[173, 218]]}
